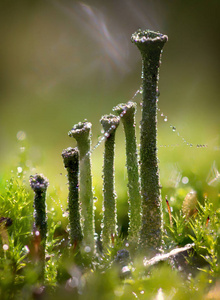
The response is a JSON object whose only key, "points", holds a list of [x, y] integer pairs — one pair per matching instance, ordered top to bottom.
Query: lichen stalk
{"points": [[150, 45], [127, 112], [110, 124], [82, 133], [71, 163], [39, 185]]}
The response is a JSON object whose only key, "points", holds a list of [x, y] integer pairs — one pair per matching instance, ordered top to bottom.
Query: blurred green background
{"points": [[66, 61]]}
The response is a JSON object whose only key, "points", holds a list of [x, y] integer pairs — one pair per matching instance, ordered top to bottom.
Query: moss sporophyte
{"points": [[150, 45], [110, 124], [82, 133]]}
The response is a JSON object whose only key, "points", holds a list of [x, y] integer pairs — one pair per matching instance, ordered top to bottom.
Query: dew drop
{"points": [[21, 135], [22, 149], [19, 169], [185, 180], [65, 214], [5, 247], [26, 249], [87, 249], [125, 269]]}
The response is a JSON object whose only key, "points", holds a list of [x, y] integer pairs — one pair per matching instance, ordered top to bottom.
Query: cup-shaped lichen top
{"points": [[144, 38], [150, 45], [127, 111], [109, 123], [82, 133], [71, 163], [39, 185]]}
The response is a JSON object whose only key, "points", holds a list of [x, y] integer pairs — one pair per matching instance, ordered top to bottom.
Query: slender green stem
{"points": [[150, 45], [127, 113], [109, 123], [82, 133], [71, 163], [39, 185]]}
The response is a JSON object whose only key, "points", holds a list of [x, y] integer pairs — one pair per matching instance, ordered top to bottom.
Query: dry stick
{"points": [[150, 45], [127, 111], [109, 123], [82, 133], [71, 163], [39, 185], [169, 212]]}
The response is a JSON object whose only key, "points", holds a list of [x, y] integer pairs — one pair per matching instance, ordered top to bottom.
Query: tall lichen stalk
{"points": [[150, 45], [127, 111], [110, 124], [82, 133], [71, 163], [39, 185]]}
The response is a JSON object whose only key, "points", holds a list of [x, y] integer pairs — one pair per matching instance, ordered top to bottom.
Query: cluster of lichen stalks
{"points": [[145, 214]]}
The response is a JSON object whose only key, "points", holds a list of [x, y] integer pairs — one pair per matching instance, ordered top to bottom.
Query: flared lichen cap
{"points": [[144, 38], [125, 109], [110, 122], [82, 128], [70, 156], [38, 183]]}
